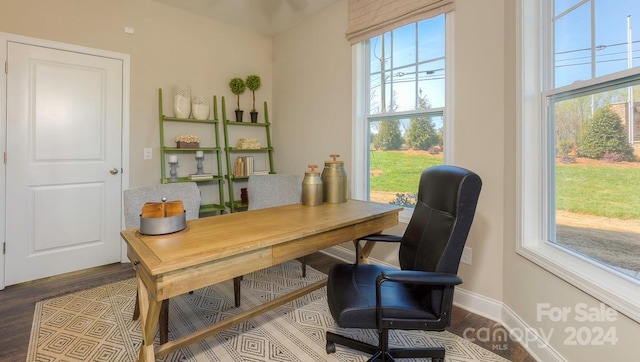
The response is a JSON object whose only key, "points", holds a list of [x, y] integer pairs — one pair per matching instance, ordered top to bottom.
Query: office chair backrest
{"points": [[273, 190], [134, 199], [438, 229]]}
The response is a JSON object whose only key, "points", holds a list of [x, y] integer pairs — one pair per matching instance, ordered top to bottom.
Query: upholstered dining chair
{"points": [[275, 190], [269, 191], [134, 199], [419, 295]]}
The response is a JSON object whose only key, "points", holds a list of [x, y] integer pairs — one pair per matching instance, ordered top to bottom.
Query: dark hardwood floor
{"points": [[17, 303]]}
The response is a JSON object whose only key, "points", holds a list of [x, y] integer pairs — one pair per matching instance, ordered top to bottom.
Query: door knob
{"points": [[114, 171]]}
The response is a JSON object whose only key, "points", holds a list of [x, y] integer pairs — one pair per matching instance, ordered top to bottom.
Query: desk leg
{"points": [[362, 252], [149, 314]]}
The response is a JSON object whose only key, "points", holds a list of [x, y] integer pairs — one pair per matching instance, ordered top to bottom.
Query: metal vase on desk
{"points": [[334, 181], [312, 187]]}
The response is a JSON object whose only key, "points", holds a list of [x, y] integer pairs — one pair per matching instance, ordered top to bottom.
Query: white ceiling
{"points": [[268, 17]]}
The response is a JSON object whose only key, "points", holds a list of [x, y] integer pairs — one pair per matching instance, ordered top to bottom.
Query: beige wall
{"points": [[168, 46], [306, 73], [312, 87], [479, 123]]}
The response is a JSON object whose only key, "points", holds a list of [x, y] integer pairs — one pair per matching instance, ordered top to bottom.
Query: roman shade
{"points": [[369, 18]]}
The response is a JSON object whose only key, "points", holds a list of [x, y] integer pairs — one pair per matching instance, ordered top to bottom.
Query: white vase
{"points": [[182, 101], [200, 108]]}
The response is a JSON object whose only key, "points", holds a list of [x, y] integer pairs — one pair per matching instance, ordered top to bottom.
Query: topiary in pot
{"points": [[253, 83], [237, 87]]}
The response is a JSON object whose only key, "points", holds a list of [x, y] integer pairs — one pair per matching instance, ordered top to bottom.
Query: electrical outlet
{"points": [[148, 154], [466, 255]]}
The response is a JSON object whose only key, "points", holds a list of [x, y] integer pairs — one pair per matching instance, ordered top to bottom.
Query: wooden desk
{"points": [[214, 249]]}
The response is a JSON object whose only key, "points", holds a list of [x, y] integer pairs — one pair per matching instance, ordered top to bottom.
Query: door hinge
{"points": [[6, 67], [5, 157], [4, 248]]}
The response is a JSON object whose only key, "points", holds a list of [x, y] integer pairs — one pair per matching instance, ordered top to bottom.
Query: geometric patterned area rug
{"points": [[96, 325]]}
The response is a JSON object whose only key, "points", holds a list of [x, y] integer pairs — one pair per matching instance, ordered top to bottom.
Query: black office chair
{"points": [[420, 295]]}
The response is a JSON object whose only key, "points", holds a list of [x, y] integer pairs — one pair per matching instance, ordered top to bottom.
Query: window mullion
{"points": [[593, 38], [548, 46], [415, 67], [549, 222]]}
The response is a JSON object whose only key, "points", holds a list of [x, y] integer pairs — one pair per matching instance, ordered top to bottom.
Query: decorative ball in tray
{"points": [[159, 218]]}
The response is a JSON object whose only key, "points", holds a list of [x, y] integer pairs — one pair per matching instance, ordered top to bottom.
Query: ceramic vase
{"points": [[182, 101], [200, 108]]}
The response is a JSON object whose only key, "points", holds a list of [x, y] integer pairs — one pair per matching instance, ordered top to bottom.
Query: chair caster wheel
{"points": [[331, 347], [437, 360]]}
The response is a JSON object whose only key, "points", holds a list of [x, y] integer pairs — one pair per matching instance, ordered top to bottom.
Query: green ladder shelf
{"points": [[219, 179], [237, 205]]}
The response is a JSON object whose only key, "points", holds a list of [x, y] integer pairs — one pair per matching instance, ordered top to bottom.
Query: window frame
{"points": [[360, 124], [533, 201]]}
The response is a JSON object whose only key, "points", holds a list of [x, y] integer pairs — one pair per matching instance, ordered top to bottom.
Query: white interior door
{"points": [[63, 179]]}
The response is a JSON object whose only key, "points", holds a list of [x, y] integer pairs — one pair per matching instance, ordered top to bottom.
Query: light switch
{"points": [[148, 154]]}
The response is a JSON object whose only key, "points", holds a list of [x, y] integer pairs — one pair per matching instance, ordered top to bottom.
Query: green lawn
{"points": [[400, 171], [594, 190], [599, 190]]}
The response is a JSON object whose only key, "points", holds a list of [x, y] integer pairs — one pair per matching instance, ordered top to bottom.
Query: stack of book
{"points": [[248, 165], [243, 166], [200, 177]]}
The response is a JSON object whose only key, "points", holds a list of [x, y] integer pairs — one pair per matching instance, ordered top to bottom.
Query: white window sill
{"points": [[612, 287]]}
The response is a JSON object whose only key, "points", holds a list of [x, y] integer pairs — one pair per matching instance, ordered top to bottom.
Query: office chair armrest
{"points": [[375, 238], [383, 238], [419, 277], [446, 280]]}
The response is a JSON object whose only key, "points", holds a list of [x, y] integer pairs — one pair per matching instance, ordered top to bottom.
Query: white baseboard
{"points": [[340, 253], [478, 304], [489, 308], [492, 309], [532, 341]]}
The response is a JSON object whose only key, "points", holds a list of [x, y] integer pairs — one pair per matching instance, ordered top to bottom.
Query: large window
{"points": [[400, 121], [580, 142]]}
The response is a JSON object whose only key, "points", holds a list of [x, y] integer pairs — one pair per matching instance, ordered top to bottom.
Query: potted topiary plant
{"points": [[253, 83], [237, 87]]}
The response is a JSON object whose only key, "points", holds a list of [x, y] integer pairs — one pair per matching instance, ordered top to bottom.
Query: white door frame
{"points": [[126, 92]]}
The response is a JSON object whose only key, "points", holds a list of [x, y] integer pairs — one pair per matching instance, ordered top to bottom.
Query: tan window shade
{"points": [[369, 18]]}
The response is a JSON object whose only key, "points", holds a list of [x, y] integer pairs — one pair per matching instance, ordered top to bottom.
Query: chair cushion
{"points": [[273, 190], [351, 290]]}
